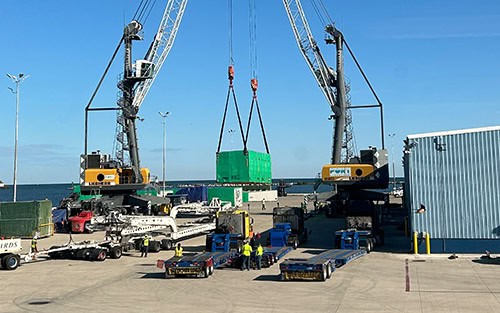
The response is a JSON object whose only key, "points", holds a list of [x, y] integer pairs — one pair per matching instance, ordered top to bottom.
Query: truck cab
{"points": [[236, 225], [9, 253]]}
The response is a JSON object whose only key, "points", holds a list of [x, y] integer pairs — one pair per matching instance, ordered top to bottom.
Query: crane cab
{"points": [[370, 171]]}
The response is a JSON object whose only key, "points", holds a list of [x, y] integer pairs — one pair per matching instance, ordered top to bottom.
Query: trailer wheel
{"points": [[88, 228], [166, 244], [295, 244], [368, 245], [154, 246], [116, 252], [98, 254], [10, 262], [211, 270], [329, 271], [206, 272], [324, 274], [282, 276]]}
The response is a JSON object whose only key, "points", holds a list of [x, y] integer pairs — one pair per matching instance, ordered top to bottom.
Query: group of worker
{"points": [[145, 247], [247, 253]]}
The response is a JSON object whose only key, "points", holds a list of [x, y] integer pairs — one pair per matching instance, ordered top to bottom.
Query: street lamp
{"points": [[20, 78], [164, 122], [231, 132], [393, 156]]}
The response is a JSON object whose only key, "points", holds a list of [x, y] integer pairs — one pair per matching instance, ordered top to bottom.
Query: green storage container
{"points": [[238, 167], [233, 194], [245, 196], [24, 218]]}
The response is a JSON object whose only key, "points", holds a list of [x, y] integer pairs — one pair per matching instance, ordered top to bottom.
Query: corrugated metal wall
{"points": [[457, 177]]}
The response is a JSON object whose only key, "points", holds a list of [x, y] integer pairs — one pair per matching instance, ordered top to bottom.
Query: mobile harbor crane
{"points": [[352, 176], [115, 182]]}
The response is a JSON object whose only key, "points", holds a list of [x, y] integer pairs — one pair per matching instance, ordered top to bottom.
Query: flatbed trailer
{"points": [[85, 250], [272, 255], [199, 265], [319, 267]]}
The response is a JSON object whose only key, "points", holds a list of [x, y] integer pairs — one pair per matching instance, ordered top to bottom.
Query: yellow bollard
{"points": [[415, 242], [428, 243]]}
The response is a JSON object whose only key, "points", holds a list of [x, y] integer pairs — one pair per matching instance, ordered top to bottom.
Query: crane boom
{"points": [[161, 45], [331, 82], [135, 85]]}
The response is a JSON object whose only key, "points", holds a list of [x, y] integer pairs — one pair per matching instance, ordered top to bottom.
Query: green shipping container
{"points": [[238, 167], [233, 194], [23, 219]]}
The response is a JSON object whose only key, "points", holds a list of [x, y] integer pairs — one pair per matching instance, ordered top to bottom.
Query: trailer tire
{"points": [[87, 228], [166, 244], [295, 244], [368, 245], [154, 246], [116, 252], [98, 254], [10, 262], [211, 269], [329, 271], [206, 272], [324, 274], [282, 276]]}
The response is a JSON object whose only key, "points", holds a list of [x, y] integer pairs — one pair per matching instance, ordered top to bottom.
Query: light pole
{"points": [[16, 79], [164, 122], [231, 132], [393, 156]]}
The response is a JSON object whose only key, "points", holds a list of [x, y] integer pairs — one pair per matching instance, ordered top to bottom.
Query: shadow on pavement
{"points": [[488, 261], [158, 275], [268, 278]]}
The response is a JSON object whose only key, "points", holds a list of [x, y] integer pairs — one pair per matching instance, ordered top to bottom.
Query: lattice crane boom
{"points": [[161, 45], [331, 82]]}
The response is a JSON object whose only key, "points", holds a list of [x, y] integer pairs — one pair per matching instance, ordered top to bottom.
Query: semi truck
{"points": [[236, 225], [288, 227]]}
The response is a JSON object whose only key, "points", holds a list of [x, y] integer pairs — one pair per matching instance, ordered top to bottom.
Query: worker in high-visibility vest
{"points": [[34, 243], [145, 246], [178, 250], [246, 252], [258, 256]]}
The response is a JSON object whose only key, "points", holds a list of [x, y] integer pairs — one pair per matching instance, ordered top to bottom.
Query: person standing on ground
{"points": [[263, 204], [34, 244], [145, 246], [178, 250], [247, 252], [258, 256]]}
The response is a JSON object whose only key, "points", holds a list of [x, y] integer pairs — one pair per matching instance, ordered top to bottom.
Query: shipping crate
{"points": [[239, 167], [25, 218]]}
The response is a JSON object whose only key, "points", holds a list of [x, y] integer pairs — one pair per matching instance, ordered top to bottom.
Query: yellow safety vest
{"points": [[146, 242], [33, 243], [247, 250], [260, 250], [178, 251]]}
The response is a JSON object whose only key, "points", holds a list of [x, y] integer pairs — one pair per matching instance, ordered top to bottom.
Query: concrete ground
{"points": [[375, 283]]}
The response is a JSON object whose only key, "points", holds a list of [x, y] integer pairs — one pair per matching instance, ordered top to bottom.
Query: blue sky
{"points": [[434, 65]]}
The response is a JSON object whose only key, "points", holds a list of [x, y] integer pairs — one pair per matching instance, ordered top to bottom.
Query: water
{"points": [[53, 192], [56, 192]]}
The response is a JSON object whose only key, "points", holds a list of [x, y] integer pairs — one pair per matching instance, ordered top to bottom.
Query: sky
{"points": [[434, 65]]}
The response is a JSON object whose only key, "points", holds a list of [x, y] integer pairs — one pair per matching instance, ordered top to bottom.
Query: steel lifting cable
{"points": [[230, 74], [254, 83]]}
